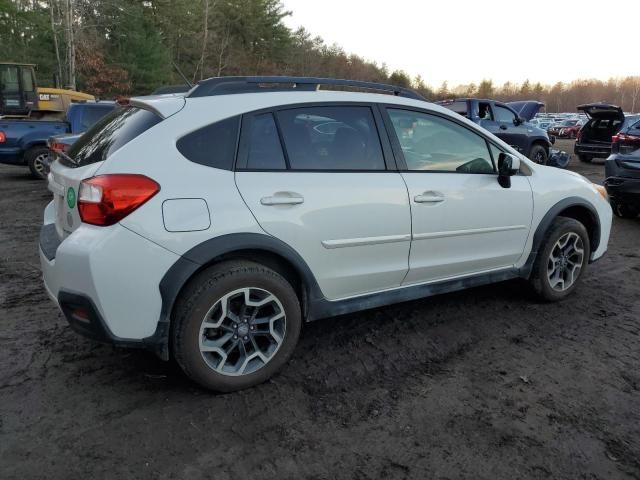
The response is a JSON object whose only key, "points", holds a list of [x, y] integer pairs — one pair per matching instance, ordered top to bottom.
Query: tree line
{"points": [[126, 47]]}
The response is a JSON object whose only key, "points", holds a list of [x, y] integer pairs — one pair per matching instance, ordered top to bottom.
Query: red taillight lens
{"points": [[3, 137], [615, 139], [59, 147], [107, 199]]}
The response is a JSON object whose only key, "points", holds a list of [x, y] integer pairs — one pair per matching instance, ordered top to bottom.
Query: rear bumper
{"points": [[593, 150], [12, 156], [624, 190], [106, 282]]}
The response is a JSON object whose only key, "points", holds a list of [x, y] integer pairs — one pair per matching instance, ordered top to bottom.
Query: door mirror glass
{"points": [[508, 166]]}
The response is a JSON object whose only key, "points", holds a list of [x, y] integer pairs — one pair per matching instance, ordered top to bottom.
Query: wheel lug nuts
{"points": [[235, 325], [252, 327], [235, 337], [246, 338]]}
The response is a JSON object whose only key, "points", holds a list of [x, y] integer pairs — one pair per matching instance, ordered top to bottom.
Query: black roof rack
{"points": [[229, 85]]}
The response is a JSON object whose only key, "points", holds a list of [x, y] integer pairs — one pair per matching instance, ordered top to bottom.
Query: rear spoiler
{"points": [[162, 105]]}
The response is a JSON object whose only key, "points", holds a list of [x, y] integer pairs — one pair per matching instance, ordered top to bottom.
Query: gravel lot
{"points": [[481, 384]]}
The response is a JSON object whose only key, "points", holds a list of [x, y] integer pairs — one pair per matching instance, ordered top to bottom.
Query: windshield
{"points": [[109, 134]]}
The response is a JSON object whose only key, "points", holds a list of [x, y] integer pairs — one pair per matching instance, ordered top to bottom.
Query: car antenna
{"points": [[186, 80]]}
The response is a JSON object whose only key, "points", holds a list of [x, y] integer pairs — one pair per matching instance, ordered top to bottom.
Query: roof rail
{"points": [[230, 85]]}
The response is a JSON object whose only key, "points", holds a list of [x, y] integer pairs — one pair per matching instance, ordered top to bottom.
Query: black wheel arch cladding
{"points": [[572, 207], [215, 249]]}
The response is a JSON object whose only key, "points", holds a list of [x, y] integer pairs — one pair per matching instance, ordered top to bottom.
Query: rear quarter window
{"points": [[111, 133], [212, 146]]}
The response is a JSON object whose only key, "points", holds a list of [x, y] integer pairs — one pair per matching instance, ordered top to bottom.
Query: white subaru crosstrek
{"points": [[210, 225]]}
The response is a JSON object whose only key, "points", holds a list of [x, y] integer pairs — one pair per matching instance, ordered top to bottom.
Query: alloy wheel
{"points": [[565, 261], [242, 331]]}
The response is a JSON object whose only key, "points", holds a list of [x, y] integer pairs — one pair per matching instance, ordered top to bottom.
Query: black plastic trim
{"points": [[234, 85], [548, 219], [205, 253], [323, 308], [96, 329]]}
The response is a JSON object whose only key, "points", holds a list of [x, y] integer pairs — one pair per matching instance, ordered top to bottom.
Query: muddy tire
{"points": [[539, 154], [37, 160], [561, 260], [235, 325]]}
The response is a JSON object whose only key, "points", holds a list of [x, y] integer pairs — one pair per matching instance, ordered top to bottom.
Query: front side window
{"points": [[504, 115], [331, 138], [432, 143]]}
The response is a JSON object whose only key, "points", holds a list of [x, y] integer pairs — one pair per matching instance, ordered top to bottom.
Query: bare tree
{"points": [[55, 40], [71, 46]]}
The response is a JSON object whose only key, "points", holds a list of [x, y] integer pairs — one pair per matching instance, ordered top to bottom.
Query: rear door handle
{"points": [[429, 197], [283, 198]]}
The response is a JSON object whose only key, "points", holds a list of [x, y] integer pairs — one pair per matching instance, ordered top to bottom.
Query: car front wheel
{"points": [[538, 154], [561, 260], [236, 325]]}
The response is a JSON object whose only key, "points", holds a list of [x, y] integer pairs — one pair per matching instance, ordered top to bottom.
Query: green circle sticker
{"points": [[71, 197]]}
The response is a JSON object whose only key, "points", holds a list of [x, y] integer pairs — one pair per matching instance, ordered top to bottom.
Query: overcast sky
{"points": [[464, 41]]}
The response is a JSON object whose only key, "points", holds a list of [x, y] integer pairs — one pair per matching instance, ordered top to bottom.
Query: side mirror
{"points": [[508, 166]]}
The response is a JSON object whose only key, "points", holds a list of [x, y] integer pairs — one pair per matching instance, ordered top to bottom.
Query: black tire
{"points": [[539, 154], [36, 158], [585, 158], [624, 211], [539, 275], [201, 295]]}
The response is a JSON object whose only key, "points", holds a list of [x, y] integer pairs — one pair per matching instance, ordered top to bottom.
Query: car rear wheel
{"points": [[538, 154], [585, 158], [38, 161], [624, 211], [561, 260], [236, 325]]}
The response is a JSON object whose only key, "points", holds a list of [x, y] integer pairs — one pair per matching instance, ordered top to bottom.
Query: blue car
{"points": [[24, 142]]}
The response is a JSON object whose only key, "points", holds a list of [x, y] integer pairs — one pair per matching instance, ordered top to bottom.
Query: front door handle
{"points": [[429, 197], [283, 198]]}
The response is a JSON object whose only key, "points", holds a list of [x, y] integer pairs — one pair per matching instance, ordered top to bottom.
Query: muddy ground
{"points": [[481, 384]]}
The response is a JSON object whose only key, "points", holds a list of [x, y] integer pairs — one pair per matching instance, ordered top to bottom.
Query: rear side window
{"points": [[109, 134], [331, 138], [214, 145], [262, 149]]}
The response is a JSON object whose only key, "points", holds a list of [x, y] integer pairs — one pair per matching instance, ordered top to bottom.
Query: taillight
{"points": [[3, 137], [623, 137], [59, 147], [107, 199]]}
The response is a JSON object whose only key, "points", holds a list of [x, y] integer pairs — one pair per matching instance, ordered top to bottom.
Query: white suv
{"points": [[210, 225]]}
